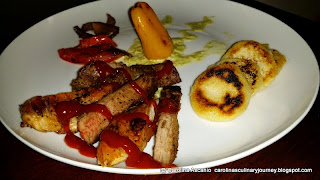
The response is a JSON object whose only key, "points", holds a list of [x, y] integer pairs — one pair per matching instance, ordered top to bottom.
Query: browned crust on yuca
{"points": [[259, 53], [280, 60], [250, 70], [221, 93]]}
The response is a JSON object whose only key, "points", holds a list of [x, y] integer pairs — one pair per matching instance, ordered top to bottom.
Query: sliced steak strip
{"points": [[88, 76], [92, 124], [167, 136]]}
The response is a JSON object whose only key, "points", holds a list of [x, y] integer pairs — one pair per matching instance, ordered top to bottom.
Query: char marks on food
{"points": [[89, 76]]}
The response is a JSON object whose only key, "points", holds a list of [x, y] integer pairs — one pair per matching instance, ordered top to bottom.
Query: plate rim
{"points": [[211, 164]]}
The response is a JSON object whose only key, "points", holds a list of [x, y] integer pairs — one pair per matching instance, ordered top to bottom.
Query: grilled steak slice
{"points": [[88, 75], [169, 79], [117, 102], [39, 113], [137, 130], [167, 136]]}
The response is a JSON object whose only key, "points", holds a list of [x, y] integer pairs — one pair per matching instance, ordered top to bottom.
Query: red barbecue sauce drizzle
{"points": [[103, 68], [167, 68], [125, 73], [144, 95], [168, 106], [68, 109], [136, 158]]}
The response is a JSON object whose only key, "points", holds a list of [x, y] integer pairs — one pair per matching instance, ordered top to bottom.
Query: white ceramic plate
{"points": [[30, 66]]}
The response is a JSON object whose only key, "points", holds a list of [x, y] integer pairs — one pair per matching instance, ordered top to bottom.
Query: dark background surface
{"points": [[298, 149]]}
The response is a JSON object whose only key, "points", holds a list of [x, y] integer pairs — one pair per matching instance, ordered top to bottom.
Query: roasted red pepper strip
{"points": [[95, 41], [90, 49], [85, 55]]}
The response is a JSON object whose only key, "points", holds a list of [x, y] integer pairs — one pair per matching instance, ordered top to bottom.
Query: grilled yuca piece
{"points": [[254, 51], [279, 58], [250, 70], [221, 93], [39, 113], [92, 124], [137, 130], [167, 136]]}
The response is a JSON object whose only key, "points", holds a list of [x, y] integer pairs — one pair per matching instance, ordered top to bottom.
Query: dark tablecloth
{"points": [[298, 149]]}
